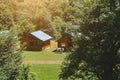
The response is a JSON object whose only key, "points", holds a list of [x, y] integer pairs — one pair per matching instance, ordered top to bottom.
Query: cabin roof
{"points": [[41, 35]]}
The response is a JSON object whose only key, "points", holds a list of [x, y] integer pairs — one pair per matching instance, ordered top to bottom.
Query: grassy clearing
{"points": [[43, 55], [46, 72]]}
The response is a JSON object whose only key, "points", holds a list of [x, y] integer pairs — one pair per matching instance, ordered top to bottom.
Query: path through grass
{"points": [[44, 71]]}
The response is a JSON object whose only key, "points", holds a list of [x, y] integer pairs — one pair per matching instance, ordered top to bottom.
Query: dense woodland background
{"points": [[51, 16]]}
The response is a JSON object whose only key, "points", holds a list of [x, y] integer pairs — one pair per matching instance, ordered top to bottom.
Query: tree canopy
{"points": [[49, 17], [97, 52], [11, 67]]}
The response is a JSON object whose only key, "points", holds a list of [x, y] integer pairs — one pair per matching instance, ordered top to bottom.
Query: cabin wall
{"points": [[65, 42], [34, 44]]}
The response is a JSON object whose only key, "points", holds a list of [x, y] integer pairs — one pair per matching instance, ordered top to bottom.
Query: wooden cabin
{"points": [[37, 41], [65, 41]]}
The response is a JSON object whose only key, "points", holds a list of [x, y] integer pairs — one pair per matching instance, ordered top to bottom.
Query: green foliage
{"points": [[6, 17], [49, 17], [10, 18], [57, 24], [23, 27], [96, 55], [10, 56], [11, 67], [25, 73]]}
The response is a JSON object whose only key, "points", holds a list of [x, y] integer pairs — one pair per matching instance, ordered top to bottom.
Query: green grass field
{"points": [[43, 55], [45, 71]]}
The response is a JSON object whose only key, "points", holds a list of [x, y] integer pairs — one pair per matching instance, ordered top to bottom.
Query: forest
{"points": [[95, 54]]}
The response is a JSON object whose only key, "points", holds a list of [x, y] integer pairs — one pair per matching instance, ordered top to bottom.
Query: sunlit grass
{"points": [[43, 55], [46, 72]]}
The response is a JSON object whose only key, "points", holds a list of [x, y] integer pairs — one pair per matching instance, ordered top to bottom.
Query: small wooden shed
{"points": [[37, 41], [65, 41]]}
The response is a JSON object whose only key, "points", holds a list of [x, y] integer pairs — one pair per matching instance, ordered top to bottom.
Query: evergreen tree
{"points": [[97, 51], [10, 56], [11, 67]]}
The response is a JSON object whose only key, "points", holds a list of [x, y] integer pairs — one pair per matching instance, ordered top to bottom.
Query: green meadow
{"points": [[43, 55], [44, 71]]}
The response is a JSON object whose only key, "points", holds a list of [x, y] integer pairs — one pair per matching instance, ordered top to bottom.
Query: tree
{"points": [[45, 13], [6, 17], [97, 51], [10, 56], [11, 67]]}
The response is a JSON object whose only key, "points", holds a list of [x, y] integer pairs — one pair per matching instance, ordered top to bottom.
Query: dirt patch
{"points": [[42, 62]]}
